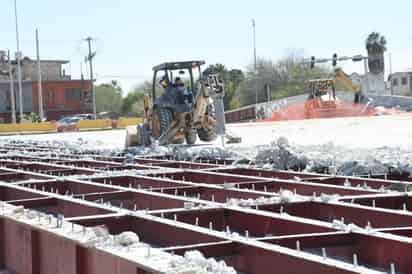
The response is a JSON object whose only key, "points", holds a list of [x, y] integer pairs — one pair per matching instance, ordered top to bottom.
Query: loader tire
{"points": [[163, 118], [166, 119], [162, 121], [206, 134], [191, 136], [177, 141]]}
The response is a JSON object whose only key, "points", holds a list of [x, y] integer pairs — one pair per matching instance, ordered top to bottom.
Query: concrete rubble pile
{"points": [[279, 154], [320, 158], [284, 197], [196, 258]]}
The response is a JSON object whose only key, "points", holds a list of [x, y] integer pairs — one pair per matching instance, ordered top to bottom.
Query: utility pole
{"points": [[18, 58], [90, 59], [255, 64], [365, 67], [390, 72], [39, 79], [268, 92], [12, 99]]}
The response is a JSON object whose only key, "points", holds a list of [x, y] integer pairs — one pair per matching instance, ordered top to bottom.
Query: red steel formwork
{"points": [[256, 221]]}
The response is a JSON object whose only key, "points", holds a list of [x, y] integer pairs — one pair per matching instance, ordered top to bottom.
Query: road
{"points": [[359, 132]]}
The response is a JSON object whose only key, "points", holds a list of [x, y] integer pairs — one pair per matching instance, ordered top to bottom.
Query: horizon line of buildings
{"points": [[397, 84], [61, 94]]}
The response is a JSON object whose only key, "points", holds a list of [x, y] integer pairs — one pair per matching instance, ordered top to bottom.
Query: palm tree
{"points": [[376, 43], [376, 46]]}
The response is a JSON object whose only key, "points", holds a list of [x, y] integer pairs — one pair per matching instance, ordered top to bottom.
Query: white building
{"points": [[50, 69], [401, 83], [372, 84]]}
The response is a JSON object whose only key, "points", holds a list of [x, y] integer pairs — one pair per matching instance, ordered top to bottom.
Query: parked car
{"points": [[108, 115], [85, 116], [68, 123]]}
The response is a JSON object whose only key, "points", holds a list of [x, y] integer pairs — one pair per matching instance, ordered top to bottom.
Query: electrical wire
{"points": [[122, 76]]}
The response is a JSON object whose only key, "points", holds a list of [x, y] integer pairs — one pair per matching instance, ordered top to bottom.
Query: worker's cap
{"points": [[178, 81]]}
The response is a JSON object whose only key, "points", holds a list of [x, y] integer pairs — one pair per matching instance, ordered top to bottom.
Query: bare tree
{"points": [[285, 77]]}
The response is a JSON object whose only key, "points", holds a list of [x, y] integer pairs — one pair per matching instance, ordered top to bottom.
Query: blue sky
{"points": [[134, 35]]}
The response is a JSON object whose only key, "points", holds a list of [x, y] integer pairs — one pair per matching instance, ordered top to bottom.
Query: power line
{"points": [[31, 41], [123, 76]]}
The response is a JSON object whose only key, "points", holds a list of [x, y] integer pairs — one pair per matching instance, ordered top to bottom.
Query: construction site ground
{"points": [[353, 132], [77, 203]]}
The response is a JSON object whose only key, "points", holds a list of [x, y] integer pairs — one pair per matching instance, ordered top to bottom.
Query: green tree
{"points": [[234, 78], [231, 79], [109, 97], [133, 102], [235, 103]]}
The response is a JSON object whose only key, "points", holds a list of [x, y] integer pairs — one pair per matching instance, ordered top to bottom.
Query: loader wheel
{"points": [[162, 119], [206, 134], [191, 136], [178, 141]]}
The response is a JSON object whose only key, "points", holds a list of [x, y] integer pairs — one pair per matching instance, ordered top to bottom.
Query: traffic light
{"points": [[334, 60], [312, 62]]}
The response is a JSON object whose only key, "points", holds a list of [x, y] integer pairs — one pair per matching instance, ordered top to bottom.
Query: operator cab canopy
{"points": [[179, 65], [169, 67]]}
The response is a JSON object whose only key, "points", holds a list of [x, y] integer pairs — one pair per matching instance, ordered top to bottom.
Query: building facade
{"points": [[50, 69], [401, 83], [371, 84], [62, 95]]}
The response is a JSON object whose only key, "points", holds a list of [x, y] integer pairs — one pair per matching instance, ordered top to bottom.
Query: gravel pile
{"points": [[279, 154]]}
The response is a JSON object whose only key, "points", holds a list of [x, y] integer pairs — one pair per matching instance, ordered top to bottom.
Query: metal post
{"points": [[18, 57], [90, 59], [255, 64], [365, 64], [390, 72], [39, 79], [12, 99], [324, 253], [355, 260], [393, 271]]}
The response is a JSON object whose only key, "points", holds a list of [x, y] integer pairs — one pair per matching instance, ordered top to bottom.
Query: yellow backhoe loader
{"points": [[183, 109]]}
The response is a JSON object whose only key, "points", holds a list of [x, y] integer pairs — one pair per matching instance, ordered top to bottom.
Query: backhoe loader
{"points": [[185, 109]]}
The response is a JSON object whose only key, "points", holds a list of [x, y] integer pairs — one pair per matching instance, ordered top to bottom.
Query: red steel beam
{"points": [[137, 181], [304, 188], [136, 200], [398, 202], [358, 215], [240, 222], [36, 251]]}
